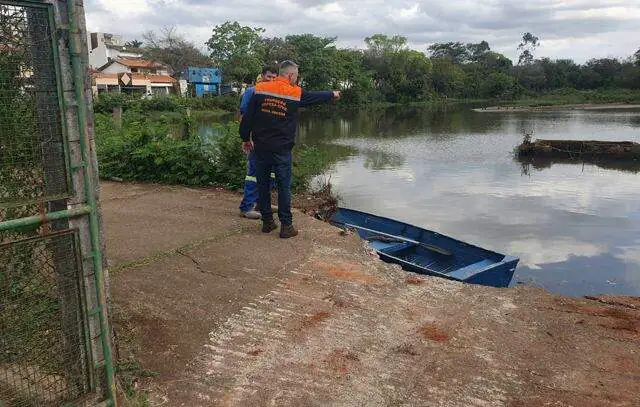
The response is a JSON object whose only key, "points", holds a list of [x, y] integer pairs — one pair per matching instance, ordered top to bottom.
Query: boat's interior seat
{"points": [[389, 247], [471, 269]]}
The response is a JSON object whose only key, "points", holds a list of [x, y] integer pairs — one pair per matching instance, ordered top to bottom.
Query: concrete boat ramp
{"points": [[228, 316]]}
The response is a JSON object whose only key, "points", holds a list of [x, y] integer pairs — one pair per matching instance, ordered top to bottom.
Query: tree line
{"points": [[387, 70]]}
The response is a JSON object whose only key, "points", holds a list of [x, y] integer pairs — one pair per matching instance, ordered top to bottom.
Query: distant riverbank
{"points": [[581, 106]]}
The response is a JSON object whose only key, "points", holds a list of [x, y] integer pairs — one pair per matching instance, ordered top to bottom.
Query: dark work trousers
{"points": [[279, 162], [250, 192]]}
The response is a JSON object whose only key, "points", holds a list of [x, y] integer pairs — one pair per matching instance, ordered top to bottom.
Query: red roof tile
{"points": [[139, 63]]}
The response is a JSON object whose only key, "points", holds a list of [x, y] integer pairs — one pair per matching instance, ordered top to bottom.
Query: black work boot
{"points": [[268, 226], [287, 231]]}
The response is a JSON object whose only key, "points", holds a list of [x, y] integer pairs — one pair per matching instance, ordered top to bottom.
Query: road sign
{"points": [[125, 79]]}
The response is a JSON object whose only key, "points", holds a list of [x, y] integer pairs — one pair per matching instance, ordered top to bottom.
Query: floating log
{"points": [[618, 155]]}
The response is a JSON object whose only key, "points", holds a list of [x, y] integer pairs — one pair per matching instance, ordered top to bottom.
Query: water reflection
{"points": [[391, 123], [380, 160], [541, 163], [576, 228]]}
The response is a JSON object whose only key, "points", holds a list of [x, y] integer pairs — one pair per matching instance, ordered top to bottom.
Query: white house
{"points": [[104, 47], [109, 59], [134, 65], [145, 76], [139, 83]]}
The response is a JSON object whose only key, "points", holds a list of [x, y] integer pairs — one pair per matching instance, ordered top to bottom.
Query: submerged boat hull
{"points": [[423, 251]]}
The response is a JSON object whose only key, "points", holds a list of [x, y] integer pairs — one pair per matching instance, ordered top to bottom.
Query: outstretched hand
{"points": [[247, 146]]}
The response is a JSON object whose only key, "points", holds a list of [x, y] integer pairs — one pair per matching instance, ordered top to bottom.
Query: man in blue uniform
{"points": [[248, 206]]}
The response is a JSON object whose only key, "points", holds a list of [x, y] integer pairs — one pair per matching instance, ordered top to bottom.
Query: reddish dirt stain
{"points": [[347, 271], [414, 280], [613, 317], [315, 319], [433, 333], [256, 352], [341, 361]]}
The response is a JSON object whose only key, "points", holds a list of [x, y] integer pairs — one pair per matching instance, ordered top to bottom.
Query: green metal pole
{"points": [[75, 45], [37, 220]]}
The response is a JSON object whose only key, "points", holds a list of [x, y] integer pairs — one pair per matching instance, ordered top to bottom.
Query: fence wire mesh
{"points": [[32, 156], [48, 340], [43, 346]]}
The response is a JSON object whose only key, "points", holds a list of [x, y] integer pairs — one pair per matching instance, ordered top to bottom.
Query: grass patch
{"points": [[572, 96], [128, 375]]}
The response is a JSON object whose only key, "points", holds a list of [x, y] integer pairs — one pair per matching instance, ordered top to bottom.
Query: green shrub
{"points": [[106, 102], [228, 103], [161, 104], [143, 150], [230, 160]]}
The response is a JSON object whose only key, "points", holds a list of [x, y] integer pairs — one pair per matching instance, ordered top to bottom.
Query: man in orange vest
{"points": [[268, 127]]}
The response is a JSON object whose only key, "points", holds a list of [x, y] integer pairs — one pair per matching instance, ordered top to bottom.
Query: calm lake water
{"points": [[575, 228]]}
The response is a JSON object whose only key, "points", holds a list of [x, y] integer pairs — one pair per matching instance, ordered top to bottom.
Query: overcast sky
{"points": [[577, 29]]}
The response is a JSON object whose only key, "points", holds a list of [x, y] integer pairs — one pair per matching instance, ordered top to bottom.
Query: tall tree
{"points": [[380, 44], [528, 45], [237, 49], [173, 50], [276, 50], [457, 52], [476, 52], [316, 56], [483, 63], [609, 69], [399, 73], [561, 73], [532, 76], [630, 76], [448, 78], [355, 81], [498, 85]]}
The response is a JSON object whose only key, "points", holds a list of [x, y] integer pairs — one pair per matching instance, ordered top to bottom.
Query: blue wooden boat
{"points": [[427, 252]]}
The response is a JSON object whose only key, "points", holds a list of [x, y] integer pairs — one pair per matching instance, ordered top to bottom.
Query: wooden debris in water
{"points": [[612, 155]]}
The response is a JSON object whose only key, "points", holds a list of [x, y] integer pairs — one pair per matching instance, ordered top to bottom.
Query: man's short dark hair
{"points": [[269, 68]]}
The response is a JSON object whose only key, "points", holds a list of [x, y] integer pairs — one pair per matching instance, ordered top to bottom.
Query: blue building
{"points": [[205, 81]]}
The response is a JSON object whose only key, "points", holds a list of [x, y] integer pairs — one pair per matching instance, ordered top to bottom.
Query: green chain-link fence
{"points": [[43, 339], [54, 346]]}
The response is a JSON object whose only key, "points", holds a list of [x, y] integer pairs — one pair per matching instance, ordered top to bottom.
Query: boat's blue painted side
{"points": [[424, 251]]}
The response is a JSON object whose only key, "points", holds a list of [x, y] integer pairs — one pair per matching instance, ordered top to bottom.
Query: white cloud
{"points": [[332, 8], [409, 12], [616, 13], [579, 29], [535, 252], [630, 254]]}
